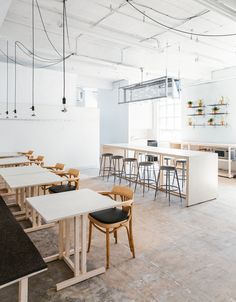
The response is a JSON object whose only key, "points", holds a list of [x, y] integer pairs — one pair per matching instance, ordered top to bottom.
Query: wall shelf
{"points": [[215, 105], [220, 113], [196, 114]]}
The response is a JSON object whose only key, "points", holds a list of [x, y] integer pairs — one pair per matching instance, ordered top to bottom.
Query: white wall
{"points": [[211, 93], [114, 118], [71, 138]]}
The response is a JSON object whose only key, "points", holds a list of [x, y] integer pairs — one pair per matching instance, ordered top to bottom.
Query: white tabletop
{"points": [[160, 151], [9, 154], [14, 160], [22, 170], [30, 180], [60, 206]]}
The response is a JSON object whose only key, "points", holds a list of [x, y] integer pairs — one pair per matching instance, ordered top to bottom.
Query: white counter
{"points": [[202, 169]]}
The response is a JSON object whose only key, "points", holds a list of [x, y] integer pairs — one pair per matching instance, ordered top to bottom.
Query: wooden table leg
{"points": [[61, 239], [84, 244], [77, 245], [23, 290]]}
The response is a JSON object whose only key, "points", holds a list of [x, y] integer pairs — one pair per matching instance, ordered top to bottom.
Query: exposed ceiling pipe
{"points": [[219, 7]]}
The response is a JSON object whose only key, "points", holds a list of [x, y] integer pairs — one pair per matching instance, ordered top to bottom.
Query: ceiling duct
{"points": [[164, 87]]}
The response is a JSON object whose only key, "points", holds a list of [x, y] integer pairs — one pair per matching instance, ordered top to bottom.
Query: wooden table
{"points": [[9, 154], [14, 161], [201, 168], [22, 170], [26, 185], [67, 208]]}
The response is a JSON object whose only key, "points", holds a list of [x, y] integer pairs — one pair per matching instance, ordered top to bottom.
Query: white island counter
{"points": [[201, 168]]}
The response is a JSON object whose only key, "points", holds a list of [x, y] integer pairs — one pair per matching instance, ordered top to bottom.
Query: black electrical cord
{"points": [[169, 16], [44, 28], [67, 30], [178, 30], [29, 53], [64, 61], [33, 62], [7, 105], [15, 111]]}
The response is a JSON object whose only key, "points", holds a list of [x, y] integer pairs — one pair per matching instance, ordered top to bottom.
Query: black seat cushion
{"points": [[62, 188], [110, 216], [18, 255]]}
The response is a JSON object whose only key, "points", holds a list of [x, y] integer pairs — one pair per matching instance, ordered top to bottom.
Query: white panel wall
{"points": [[114, 124], [71, 138]]}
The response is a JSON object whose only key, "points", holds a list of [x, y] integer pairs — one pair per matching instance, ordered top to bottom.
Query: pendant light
{"points": [[64, 57], [33, 60], [7, 105]]}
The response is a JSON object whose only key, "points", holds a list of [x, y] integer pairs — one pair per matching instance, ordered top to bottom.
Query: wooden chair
{"points": [[28, 153], [37, 160], [58, 167], [71, 179], [110, 220]]}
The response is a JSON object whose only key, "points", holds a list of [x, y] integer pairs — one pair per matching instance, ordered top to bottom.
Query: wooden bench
{"points": [[19, 258]]}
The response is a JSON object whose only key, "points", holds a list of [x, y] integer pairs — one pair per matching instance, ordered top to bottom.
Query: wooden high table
{"points": [[9, 154], [14, 161], [201, 168], [26, 185], [72, 208]]}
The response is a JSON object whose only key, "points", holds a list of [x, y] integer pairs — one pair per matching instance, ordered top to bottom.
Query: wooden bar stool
{"points": [[105, 165]]}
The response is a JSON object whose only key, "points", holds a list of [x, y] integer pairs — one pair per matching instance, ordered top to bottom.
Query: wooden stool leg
{"points": [[90, 235], [131, 237], [107, 248]]}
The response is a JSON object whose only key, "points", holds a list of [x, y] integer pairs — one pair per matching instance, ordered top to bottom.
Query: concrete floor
{"points": [[182, 254]]}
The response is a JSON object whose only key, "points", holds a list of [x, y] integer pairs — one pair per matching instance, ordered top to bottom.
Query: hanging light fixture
{"points": [[64, 57], [33, 60], [7, 105]]}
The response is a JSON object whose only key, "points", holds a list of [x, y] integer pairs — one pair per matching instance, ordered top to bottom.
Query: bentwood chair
{"points": [[28, 153], [37, 160], [56, 168], [70, 183], [110, 220]]}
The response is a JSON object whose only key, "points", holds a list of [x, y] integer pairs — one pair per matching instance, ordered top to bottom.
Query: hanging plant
{"points": [[200, 103]]}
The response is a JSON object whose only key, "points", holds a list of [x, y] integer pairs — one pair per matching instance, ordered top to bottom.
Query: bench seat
{"points": [[19, 257]]}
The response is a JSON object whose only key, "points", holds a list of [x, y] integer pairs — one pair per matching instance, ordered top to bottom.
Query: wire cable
{"points": [[172, 17], [45, 30], [179, 30], [7, 105], [15, 112]]}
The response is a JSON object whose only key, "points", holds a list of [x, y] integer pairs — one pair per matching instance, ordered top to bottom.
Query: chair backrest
{"points": [[40, 158], [59, 166], [73, 172], [124, 193]]}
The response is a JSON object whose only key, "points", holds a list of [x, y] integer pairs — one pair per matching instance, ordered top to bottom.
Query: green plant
{"points": [[190, 103], [215, 109], [199, 110], [210, 121]]}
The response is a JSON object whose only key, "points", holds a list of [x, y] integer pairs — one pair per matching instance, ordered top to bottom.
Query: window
{"points": [[168, 119]]}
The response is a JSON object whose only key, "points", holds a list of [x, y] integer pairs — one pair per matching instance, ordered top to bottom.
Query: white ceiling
{"points": [[113, 41]]}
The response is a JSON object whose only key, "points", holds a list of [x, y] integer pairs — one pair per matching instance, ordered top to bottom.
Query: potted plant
{"points": [[222, 101], [190, 103], [200, 103], [215, 109], [200, 111], [210, 121], [190, 122]]}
